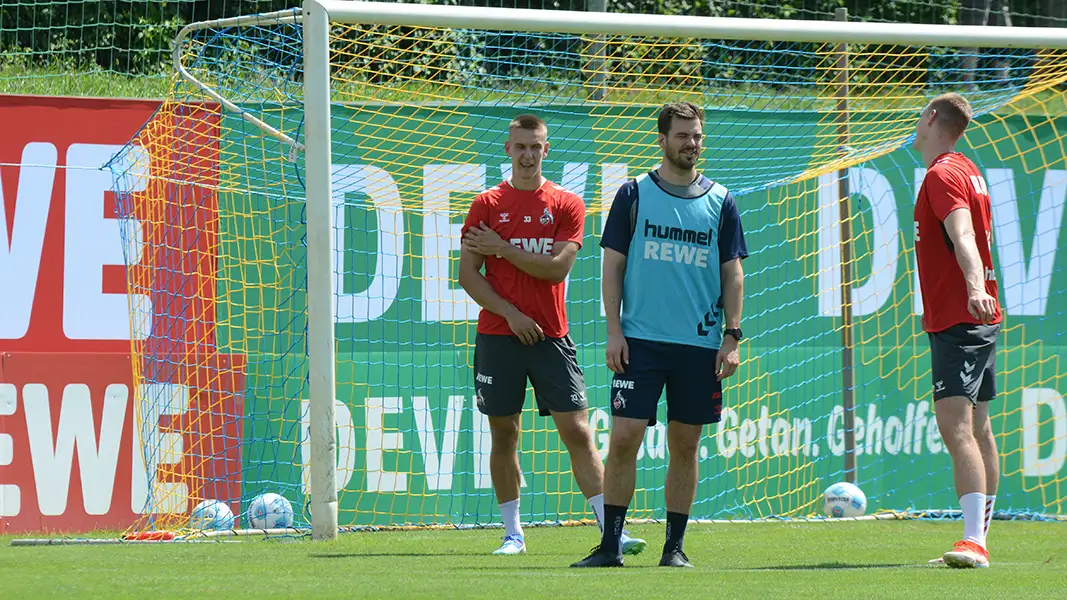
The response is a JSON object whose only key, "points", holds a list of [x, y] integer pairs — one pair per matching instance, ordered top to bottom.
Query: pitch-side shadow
{"points": [[394, 554], [833, 566]]}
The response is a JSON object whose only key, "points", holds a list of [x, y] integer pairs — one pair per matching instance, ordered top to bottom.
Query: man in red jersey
{"points": [[527, 232], [953, 235]]}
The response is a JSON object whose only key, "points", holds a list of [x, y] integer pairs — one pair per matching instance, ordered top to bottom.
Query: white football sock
{"points": [[990, 501], [597, 502], [973, 506], [510, 513]]}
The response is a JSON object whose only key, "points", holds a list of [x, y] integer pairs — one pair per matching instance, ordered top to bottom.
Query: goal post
{"points": [[330, 154], [321, 358]]}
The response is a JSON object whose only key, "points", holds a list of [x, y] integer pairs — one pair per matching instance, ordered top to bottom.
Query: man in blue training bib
{"points": [[673, 287]]}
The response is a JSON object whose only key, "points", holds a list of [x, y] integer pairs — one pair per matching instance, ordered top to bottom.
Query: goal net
{"points": [[812, 137]]}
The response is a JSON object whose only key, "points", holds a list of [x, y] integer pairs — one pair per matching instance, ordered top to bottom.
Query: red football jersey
{"points": [[952, 182], [533, 221]]}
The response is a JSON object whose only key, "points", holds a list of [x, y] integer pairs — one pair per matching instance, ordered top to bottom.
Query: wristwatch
{"points": [[736, 333]]}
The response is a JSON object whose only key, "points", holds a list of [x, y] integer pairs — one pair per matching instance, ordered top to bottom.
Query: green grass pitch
{"points": [[882, 559], [795, 560]]}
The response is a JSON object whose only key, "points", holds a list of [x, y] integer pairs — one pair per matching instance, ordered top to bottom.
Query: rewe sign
{"points": [[71, 454]]}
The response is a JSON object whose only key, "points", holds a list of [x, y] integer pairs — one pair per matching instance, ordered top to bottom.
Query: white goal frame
{"points": [[316, 18]]}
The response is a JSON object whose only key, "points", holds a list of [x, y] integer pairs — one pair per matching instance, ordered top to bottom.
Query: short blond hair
{"points": [[953, 111], [528, 121]]}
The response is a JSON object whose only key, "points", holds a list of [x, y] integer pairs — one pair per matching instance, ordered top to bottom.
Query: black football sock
{"points": [[614, 518], [676, 523]]}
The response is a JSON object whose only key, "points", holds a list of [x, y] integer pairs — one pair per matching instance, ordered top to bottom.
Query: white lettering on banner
{"points": [[612, 176], [575, 177], [92, 240], [20, 255], [1025, 285], [878, 287], [442, 297], [371, 303], [600, 424], [345, 431], [763, 435], [769, 435], [897, 436], [380, 441], [153, 447], [482, 447], [1054, 447], [52, 449], [52, 456], [438, 466], [10, 494]]}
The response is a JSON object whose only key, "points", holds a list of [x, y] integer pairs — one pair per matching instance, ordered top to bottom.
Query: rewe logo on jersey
{"points": [[534, 245], [688, 251]]}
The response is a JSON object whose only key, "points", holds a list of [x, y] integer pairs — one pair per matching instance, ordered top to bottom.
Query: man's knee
{"points": [[954, 419], [574, 430], [504, 432], [983, 434], [626, 437], [683, 440]]}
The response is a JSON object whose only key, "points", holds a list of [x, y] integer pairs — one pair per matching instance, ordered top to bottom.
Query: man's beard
{"points": [[682, 161]]}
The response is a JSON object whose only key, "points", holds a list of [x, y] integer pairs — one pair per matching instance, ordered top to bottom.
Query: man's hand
{"points": [[483, 240], [982, 306], [528, 331], [618, 353], [726, 360]]}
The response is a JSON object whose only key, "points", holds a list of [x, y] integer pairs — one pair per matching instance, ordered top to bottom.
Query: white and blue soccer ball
{"points": [[844, 500], [270, 511], [211, 514]]}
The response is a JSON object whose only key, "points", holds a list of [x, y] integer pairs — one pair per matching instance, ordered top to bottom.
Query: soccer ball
{"points": [[844, 500], [270, 511], [211, 514]]}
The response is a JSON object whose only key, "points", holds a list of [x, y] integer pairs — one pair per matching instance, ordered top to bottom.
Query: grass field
{"points": [[883, 559]]}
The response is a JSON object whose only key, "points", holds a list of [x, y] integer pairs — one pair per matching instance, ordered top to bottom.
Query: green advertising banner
{"points": [[412, 447]]}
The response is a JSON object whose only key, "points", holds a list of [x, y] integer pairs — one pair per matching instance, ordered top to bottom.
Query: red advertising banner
{"points": [[76, 454], [69, 456]]}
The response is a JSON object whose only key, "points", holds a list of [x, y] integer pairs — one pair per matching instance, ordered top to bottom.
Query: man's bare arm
{"points": [[961, 231], [554, 267], [476, 286], [733, 292], [617, 354]]}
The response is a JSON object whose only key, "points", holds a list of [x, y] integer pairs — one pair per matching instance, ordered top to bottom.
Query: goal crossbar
{"points": [[725, 28]]}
